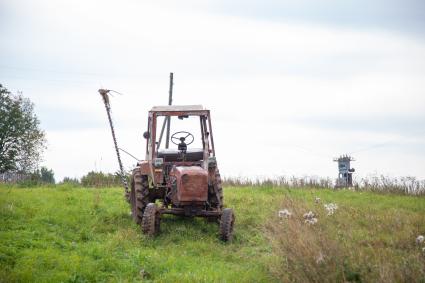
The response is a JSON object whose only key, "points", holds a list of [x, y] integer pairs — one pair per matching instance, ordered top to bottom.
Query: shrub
{"points": [[100, 179], [73, 182], [374, 183]]}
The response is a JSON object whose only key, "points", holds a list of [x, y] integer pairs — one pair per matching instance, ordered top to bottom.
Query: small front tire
{"points": [[151, 220], [226, 225]]}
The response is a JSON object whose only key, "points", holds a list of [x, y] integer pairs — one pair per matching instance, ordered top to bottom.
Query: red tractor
{"points": [[184, 179]]}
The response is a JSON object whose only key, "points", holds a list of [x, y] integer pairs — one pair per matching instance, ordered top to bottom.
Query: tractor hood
{"points": [[191, 184]]}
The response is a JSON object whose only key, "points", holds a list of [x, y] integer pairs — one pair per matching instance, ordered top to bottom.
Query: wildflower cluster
{"points": [[331, 208], [284, 213], [310, 218]]}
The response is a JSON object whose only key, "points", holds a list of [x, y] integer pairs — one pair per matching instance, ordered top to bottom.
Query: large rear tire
{"points": [[216, 192], [139, 195], [151, 220], [226, 224]]}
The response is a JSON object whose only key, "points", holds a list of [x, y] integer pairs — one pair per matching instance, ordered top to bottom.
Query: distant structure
{"points": [[345, 172]]}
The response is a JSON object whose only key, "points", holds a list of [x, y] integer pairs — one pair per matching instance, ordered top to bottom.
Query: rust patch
{"points": [[144, 167]]}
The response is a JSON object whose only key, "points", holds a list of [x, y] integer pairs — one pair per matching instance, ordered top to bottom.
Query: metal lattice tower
{"points": [[345, 172]]}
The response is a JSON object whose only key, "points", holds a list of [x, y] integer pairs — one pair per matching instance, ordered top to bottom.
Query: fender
{"points": [[144, 167]]}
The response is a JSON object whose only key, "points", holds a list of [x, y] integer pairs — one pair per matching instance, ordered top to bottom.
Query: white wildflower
{"points": [[317, 200], [10, 206], [331, 208], [284, 213], [309, 215], [310, 218], [311, 221], [420, 239], [423, 250], [320, 258], [144, 274]]}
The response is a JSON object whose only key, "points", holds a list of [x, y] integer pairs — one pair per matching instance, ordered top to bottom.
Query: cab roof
{"points": [[177, 108]]}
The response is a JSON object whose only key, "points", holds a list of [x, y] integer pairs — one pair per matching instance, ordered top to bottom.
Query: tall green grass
{"points": [[66, 234], [87, 235]]}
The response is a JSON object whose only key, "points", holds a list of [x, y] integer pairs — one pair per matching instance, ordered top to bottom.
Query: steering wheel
{"points": [[181, 138]]}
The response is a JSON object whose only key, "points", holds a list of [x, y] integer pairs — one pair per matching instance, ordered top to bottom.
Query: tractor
{"points": [[183, 180]]}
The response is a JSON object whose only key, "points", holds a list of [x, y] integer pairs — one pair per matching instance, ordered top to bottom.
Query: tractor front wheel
{"points": [[151, 220], [226, 224]]}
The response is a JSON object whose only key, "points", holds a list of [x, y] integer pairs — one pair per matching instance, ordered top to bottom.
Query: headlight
{"points": [[158, 162], [212, 162]]}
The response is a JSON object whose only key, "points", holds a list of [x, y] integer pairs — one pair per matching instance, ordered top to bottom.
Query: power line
{"points": [[51, 71], [51, 81], [383, 144]]}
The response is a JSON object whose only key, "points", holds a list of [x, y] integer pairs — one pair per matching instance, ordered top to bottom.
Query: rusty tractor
{"points": [[182, 181]]}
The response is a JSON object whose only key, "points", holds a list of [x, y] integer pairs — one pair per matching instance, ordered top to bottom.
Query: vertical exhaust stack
{"points": [[105, 97], [170, 102], [167, 121]]}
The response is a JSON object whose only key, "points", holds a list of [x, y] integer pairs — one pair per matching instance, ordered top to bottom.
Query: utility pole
{"points": [[170, 102]]}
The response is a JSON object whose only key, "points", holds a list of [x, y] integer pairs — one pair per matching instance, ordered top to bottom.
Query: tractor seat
{"points": [[170, 155]]}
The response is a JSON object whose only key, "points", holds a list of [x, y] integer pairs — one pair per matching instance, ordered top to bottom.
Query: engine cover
{"points": [[191, 185]]}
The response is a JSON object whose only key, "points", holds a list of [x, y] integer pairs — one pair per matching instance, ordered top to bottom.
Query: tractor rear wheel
{"points": [[216, 192], [139, 195], [151, 220], [226, 224]]}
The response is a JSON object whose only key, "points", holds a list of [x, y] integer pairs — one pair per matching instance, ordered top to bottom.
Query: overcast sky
{"points": [[291, 84]]}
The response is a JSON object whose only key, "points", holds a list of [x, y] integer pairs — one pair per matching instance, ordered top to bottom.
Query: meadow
{"points": [[66, 234]]}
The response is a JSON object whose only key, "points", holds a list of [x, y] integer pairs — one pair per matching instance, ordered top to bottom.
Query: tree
{"points": [[22, 142], [47, 175]]}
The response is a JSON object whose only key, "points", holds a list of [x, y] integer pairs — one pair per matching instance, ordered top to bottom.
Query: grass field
{"points": [[63, 234]]}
